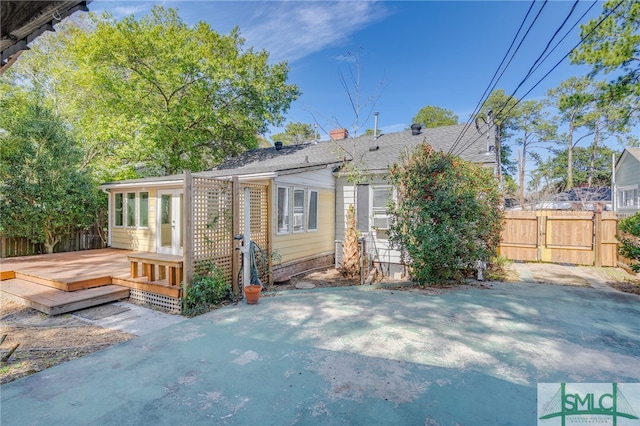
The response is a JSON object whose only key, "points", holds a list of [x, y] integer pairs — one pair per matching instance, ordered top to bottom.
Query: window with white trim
{"points": [[628, 196], [380, 197], [118, 209], [131, 209], [283, 210], [298, 210], [143, 213], [312, 222]]}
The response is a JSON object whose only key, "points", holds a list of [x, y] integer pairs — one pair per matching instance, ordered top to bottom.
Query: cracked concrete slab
{"points": [[349, 355]]}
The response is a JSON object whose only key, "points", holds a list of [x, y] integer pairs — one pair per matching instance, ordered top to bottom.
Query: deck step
{"points": [[65, 286], [52, 301]]}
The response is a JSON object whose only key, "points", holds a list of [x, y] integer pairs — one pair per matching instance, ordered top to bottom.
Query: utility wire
{"points": [[582, 40], [536, 64], [490, 87]]}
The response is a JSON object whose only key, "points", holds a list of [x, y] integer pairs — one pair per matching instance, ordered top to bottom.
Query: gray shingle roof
{"points": [[372, 155], [375, 155]]}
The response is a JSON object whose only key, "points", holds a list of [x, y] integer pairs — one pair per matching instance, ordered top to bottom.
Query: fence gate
{"points": [[576, 237]]}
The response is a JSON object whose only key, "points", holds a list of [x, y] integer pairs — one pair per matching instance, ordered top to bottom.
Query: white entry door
{"points": [[169, 229]]}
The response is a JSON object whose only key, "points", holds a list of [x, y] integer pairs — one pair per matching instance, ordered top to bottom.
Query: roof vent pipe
{"points": [[375, 125], [415, 129], [278, 145]]}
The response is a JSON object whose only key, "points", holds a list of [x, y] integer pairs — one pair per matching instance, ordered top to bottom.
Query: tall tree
{"points": [[612, 46], [156, 96], [192, 96], [574, 100], [504, 111], [434, 116], [533, 129], [295, 133], [551, 174], [44, 195]]}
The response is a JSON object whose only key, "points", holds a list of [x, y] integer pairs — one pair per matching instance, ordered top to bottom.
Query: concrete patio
{"points": [[470, 356]]}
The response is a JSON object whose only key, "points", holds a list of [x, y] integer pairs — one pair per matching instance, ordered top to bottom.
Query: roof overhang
{"points": [[21, 22], [179, 181]]}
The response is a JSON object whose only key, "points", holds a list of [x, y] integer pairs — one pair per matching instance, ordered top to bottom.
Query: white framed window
{"points": [[628, 196], [380, 197], [118, 209], [131, 209], [283, 210], [298, 210], [143, 211], [312, 221]]}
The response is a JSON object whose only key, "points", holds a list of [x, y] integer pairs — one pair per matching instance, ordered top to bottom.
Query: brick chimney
{"points": [[339, 134]]}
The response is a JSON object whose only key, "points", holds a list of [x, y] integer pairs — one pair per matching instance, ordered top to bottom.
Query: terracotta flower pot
{"points": [[252, 294]]}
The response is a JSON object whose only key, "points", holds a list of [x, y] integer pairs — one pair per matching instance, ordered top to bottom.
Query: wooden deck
{"points": [[62, 282]]}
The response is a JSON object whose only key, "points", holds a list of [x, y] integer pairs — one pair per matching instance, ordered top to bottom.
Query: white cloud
{"points": [[292, 30]]}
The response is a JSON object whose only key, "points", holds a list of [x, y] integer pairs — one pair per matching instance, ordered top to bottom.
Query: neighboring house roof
{"points": [[633, 152], [375, 155], [593, 194]]}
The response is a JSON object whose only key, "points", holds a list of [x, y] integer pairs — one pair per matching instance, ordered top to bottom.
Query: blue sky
{"points": [[420, 52]]}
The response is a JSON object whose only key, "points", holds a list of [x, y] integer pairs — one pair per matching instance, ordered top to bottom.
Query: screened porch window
{"points": [[118, 209], [131, 209], [144, 210], [283, 210], [298, 210], [312, 224]]}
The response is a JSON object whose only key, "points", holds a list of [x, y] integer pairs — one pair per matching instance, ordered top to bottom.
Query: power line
{"points": [[582, 40], [491, 87]]}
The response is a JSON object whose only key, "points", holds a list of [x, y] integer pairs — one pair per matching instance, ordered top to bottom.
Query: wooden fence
{"points": [[575, 237], [86, 239]]}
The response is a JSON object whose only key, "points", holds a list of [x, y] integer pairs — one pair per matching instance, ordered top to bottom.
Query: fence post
{"points": [[235, 227], [598, 235]]}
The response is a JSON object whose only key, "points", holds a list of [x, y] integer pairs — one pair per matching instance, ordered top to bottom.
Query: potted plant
{"points": [[252, 293]]}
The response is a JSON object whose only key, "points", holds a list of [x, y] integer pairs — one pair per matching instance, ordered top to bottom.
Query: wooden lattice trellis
{"points": [[214, 219], [259, 222], [211, 225]]}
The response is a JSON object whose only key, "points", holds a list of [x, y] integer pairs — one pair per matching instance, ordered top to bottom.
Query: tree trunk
{"points": [[570, 159], [592, 163], [521, 172], [50, 243], [351, 248]]}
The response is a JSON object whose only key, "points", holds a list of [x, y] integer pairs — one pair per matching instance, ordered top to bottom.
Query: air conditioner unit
{"points": [[298, 221], [380, 222]]}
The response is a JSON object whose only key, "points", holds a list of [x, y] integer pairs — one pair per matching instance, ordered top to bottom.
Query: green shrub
{"points": [[447, 216], [630, 244], [205, 292]]}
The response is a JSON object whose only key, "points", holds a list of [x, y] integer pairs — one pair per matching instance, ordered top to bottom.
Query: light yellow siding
{"points": [[138, 239], [295, 246]]}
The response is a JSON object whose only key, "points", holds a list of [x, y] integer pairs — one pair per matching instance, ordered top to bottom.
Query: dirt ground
{"points": [[46, 340], [49, 340]]}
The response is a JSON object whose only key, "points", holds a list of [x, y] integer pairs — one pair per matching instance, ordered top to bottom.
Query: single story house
{"points": [[626, 177], [309, 192]]}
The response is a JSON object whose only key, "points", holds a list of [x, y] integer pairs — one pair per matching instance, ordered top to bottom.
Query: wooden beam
{"points": [[235, 225], [187, 229]]}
